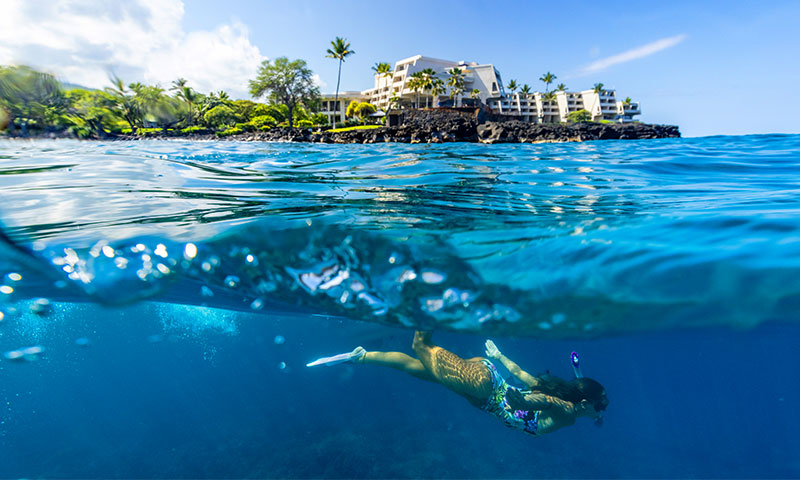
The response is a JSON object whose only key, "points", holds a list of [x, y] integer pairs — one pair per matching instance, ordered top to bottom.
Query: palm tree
{"points": [[340, 51], [382, 68], [428, 74], [547, 78], [456, 82], [416, 83], [179, 84], [512, 85], [561, 87], [598, 87], [437, 88], [525, 90], [475, 93], [188, 95], [549, 97], [124, 100], [627, 101], [392, 102]]}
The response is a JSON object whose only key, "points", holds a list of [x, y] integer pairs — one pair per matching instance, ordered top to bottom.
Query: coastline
{"points": [[426, 127]]}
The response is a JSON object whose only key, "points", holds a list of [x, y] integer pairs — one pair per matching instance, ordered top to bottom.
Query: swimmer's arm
{"points": [[523, 376], [537, 401]]}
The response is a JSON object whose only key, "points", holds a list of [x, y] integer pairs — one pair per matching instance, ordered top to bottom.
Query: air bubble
{"points": [[161, 250], [190, 251], [15, 277], [232, 281], [206, 292], [257, 304], [40, 306], [279, 340], [282, 365]]}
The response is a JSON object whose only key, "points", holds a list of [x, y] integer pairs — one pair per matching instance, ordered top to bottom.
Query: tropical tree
{"points": [[340, 49], [383, 69], [428, 75], [547, 78], [285, 83], [416, 83], [456, 83], [179, 84], [512, 85], [561, 87], [598, 87], [437, 88], [525, 90], [475, 93], [30, 96], [189, 97], [549, 97], [393, 100], [124, 101], [627, 101], [155, 107], [360, 109], [89, 111], [220, 116], [579, 116]]}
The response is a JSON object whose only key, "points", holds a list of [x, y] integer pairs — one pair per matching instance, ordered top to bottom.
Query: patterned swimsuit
{"points": [[525, 420]]}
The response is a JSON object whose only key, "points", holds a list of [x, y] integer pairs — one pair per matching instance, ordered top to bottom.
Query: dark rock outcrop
{"points": [[450, 125], [520, 132]]}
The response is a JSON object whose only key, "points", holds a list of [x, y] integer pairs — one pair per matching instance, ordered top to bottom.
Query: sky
{"points": [[711, 67]]}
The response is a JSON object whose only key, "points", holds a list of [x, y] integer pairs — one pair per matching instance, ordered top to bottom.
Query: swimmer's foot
{"points": [[356, 356]]}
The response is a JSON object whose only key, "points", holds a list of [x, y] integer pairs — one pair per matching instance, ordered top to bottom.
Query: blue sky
{"points": [[710, 67]]}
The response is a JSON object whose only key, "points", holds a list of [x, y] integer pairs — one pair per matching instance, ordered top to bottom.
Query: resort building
{"points": [[482, 85], [392, 87], [331, 107]]}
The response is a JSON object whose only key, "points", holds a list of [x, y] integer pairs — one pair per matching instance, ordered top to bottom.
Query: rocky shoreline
{"points": [[441, 126]]}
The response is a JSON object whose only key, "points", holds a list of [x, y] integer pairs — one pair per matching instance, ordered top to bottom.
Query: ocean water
{"points": [[160, 300]]}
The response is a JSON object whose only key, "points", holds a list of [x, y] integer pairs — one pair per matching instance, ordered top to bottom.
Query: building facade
{"points": [[481, 82]]}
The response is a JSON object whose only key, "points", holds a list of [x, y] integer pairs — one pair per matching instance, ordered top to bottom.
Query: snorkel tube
{"points": [[576, 364]]}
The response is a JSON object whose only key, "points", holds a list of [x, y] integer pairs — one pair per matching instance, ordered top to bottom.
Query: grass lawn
{"points": [[358, 127]]}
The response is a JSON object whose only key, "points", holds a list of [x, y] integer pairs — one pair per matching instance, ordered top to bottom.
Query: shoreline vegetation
{"points": [[35, 104]]}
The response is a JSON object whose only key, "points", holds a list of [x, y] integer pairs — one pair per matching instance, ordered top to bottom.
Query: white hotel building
{"points": [[487, 81]]}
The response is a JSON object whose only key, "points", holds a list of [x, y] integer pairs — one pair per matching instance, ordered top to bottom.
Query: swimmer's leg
{"points": [[399, 361], [469, 378]]}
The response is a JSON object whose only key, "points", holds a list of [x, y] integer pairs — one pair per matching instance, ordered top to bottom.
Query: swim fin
{"points": [[341, 358]]}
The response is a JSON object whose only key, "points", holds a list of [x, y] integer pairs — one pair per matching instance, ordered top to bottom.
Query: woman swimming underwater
{"points": [[548, 403]]}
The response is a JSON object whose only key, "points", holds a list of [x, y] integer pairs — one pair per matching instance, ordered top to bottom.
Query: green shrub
{"points": [[279, 114], [220, 116], [579, 116], [319, 119], [263, 121], [304, 124], [245, 127], [194, 129], [230, 131]]}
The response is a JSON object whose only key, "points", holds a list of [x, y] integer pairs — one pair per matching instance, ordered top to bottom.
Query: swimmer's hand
{"points": [[492, 350], [531, 401]]}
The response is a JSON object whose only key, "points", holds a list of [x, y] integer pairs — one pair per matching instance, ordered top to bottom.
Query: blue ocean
{"points": [[159, 302]]}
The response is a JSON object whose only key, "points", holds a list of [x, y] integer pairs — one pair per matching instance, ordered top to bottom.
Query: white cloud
{"points": [[81, 41], [632, 54], [318, 81]]}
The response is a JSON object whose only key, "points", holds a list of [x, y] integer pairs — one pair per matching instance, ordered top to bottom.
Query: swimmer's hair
{"points": [[573, 391]]}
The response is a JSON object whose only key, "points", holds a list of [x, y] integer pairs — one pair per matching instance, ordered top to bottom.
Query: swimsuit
{"points": [[525, 420]]}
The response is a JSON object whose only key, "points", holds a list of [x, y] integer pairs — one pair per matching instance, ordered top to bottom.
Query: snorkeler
{"points": [[547, 404]]}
